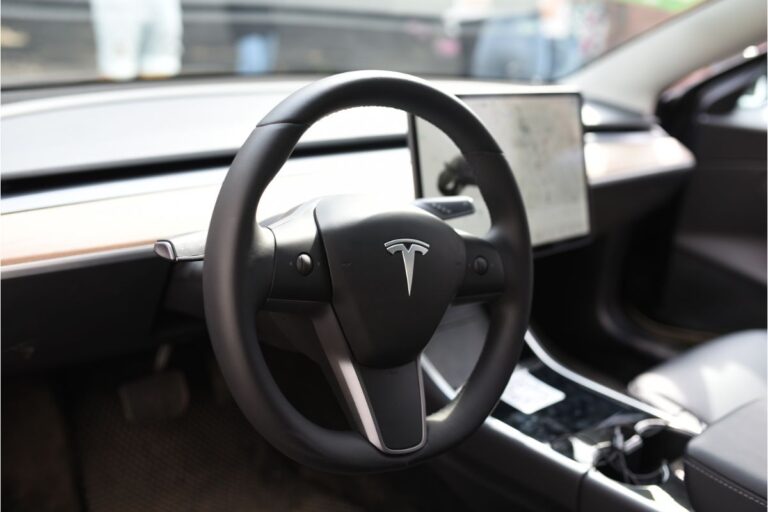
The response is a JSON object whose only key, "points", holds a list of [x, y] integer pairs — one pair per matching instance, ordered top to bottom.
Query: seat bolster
{"points": [[709, 381], [725, 467]]}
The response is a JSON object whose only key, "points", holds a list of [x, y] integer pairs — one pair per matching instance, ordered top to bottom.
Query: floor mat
{"points": [[36, 459], [209, 459]]}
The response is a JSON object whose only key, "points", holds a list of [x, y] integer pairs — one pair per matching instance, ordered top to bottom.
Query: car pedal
{"points": [[160, 396]]}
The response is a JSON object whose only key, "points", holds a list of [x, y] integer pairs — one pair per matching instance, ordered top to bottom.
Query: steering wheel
{"points": [[375, 279]]}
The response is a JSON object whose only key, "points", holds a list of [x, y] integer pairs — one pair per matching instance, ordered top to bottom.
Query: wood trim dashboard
{"points": [[86, 225]]}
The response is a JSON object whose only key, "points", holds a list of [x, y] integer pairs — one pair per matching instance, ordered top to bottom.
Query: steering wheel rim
{"points": [[240, 264]]}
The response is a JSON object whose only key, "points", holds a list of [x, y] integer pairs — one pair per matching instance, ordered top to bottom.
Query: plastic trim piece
{"points": [[340, 361]]}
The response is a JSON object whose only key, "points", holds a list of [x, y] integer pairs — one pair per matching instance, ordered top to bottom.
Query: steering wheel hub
{"points": [[393, 272]]}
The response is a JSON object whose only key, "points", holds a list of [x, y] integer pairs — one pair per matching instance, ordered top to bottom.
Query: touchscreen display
{"points": [[541, 136]]}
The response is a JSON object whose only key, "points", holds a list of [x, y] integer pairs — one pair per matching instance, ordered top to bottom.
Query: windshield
{"points": [[59, 41]]}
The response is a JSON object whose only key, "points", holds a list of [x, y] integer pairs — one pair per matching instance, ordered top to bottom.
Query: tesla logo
{"points": [[408, 247]]}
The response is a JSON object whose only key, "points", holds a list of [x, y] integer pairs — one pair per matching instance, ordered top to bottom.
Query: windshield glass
{"points": [[59, 41]]}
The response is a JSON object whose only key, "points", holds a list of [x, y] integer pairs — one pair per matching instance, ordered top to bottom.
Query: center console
{"points": [[610, 451]]}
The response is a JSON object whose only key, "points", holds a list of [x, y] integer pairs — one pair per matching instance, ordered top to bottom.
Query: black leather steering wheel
{"points": [[375, 279]]}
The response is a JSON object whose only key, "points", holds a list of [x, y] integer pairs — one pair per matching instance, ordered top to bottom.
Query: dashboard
{"points": [[92, 179], [76, 182]]}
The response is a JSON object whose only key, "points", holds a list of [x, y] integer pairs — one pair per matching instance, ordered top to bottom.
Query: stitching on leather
{"points": [[714, 477]]}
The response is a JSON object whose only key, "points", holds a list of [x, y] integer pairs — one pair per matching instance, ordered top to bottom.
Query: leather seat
{"points": [[709, 381], [725, 467]]}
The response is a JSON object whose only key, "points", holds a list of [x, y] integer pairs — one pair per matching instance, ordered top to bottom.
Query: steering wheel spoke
{"points": [[300, 273], [386, 404]]}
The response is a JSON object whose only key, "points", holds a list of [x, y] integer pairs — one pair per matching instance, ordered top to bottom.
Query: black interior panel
{"points": [[716, 274], [79, 311]]}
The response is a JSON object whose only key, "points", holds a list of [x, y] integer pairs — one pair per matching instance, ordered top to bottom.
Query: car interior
{"points": [[325, 255]]}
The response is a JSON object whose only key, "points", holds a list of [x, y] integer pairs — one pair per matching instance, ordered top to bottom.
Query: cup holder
{"points": [[641, 454]]}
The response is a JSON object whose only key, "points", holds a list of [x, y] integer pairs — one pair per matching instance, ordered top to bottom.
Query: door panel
{"points": [[716, 279]]}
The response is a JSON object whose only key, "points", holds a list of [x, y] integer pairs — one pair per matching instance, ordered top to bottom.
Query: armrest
{"points": [[725, 466]]}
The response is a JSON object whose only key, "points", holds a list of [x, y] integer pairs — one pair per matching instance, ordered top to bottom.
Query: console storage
{"points": [[646, 453]]}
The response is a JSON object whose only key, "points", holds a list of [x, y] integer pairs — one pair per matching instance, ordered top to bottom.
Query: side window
{"points": [[756, 97], [751, 109]]}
